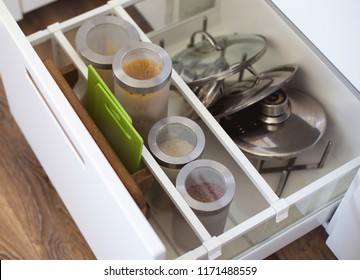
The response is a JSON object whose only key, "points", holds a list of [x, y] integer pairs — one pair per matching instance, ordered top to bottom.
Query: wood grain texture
{"points": [[34, 223], [14, 242], [311, 246]]}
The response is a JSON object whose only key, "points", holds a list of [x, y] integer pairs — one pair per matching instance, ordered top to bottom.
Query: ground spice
{"points": [[142, 68], [176, 147], [205, 192]]}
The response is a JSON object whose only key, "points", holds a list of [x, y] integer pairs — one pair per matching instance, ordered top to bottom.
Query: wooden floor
{"points": [[34, 222]]}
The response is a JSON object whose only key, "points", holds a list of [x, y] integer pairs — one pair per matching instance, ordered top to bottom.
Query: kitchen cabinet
{"points": [[20, 7], [260, 221], [344, 227]]}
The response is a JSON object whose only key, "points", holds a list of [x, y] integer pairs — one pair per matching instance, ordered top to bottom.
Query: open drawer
{"points": [[259, 221]]}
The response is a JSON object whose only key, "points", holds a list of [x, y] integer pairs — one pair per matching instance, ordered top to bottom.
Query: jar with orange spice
{"points": [[142, 74]]}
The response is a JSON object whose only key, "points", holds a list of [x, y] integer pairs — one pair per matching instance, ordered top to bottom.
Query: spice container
{"points": [[98, 40], [142, 74], [174, 141], [208, 187]]}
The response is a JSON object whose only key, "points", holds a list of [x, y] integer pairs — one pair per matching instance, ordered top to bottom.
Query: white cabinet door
{"points": [[29, 5], [14, 7], [19, 7], [332, 27], [344, 228]]}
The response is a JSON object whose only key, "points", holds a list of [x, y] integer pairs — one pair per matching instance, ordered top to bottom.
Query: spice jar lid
{"points": [[99, 38], [157, 64], [175, 141], [206, 185]]}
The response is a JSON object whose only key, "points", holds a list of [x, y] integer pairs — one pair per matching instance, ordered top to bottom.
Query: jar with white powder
{"points": [[175, 141]]}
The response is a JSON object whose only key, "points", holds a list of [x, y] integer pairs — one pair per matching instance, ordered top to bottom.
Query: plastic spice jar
{"points": [[98, 40], [142, 73], [175, 141], [208, 187]]}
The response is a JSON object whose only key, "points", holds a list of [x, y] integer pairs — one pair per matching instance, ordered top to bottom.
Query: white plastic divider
{"points": [[120, 11], [44, 35], [70, 51], [213, 125], [324, 181], [280, 206], [213, 247]]}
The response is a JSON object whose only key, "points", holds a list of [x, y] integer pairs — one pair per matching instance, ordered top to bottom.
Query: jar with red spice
{"points": [[209, 188]]}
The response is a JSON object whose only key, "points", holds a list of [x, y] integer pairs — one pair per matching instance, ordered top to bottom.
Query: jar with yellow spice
{"points": [[142, 74]]}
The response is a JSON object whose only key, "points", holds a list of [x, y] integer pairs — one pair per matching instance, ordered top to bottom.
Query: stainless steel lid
{"points": [[99, 38], [142, 51], [217, 58], [210, 93], [241, 94], [300, 132]]}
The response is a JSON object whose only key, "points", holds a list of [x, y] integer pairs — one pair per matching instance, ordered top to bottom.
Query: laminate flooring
{"points": [[34, 222]]}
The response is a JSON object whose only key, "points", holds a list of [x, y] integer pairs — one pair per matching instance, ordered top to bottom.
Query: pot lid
{"points": [[217, 58], [239, 95], [300, 132]]}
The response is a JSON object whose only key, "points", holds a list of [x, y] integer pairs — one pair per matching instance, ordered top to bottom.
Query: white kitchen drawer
{"points": [[259, 221]]}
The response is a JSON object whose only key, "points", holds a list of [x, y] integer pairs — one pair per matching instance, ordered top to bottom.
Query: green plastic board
{"points": [[113, 121]]}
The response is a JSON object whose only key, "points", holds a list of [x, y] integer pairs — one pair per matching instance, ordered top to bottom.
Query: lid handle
{"points": [[208, 37]]}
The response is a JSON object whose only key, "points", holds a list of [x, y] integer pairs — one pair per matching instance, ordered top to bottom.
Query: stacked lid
{"points": [[214, 68], [252, 107]]}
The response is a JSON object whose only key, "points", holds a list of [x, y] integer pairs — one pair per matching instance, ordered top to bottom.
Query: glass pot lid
{"points": [[216, 58], [298, 133]]}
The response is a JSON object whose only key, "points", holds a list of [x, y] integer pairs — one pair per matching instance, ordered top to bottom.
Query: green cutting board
{"points": [[93, 79], [114, 122]]}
